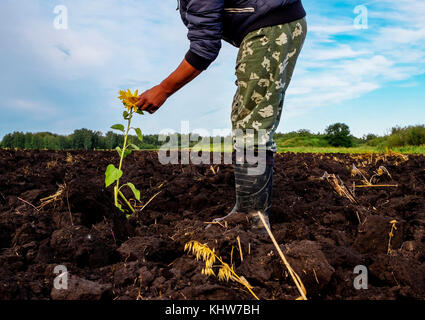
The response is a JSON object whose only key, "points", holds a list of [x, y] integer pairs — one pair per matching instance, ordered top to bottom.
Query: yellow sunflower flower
{"points": [[129, 99]]}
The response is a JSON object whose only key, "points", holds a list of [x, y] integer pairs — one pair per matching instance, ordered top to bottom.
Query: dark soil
{"points": [[323, 235]]}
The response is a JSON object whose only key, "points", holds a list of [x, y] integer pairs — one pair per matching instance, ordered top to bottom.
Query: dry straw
{"points": [[369, 183], [339, 186], [53, 198], [391, 235], [240, 247], [225, 272], [294, 275]]}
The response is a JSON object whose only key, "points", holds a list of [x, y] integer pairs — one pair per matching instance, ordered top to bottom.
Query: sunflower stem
{"points": [[117, 187], [126, 201]]}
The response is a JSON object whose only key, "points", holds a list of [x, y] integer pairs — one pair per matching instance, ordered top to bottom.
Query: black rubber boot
{"points": [[253, 192]]}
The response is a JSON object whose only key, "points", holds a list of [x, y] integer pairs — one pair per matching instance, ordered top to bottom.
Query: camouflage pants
{"points": [[264, 69]]}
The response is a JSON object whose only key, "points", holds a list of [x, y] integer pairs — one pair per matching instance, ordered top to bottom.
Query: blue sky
{"points": [[61, 80]]}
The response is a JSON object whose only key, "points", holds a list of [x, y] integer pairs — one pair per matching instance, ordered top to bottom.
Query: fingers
{"points": [[150, 101], [141, 102], [145, 105], [151, 109]]}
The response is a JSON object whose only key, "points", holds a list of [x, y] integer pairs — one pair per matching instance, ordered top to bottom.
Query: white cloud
{"points": [[330, 28], [115, 44], [335, 53], [330, 71], [29, 106], [30, 109]]}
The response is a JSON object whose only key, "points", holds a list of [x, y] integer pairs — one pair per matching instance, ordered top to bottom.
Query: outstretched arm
{"points": [[205, 44], [154, 98]]}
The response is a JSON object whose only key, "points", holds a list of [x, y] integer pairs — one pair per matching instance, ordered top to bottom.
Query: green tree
{"points": [[304, 133], [338, 135], [408, 136], [18, 139], [82, 139], [28, 140], [110, 140], [7, 141], [63, 142]]}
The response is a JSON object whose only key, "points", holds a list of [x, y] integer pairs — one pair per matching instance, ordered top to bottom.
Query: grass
{"points": [[302, 141], [305, 149], [325, 149], [359, 149], [410, 149]]}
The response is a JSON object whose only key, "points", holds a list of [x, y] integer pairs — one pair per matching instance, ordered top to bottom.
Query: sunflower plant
{"points": [[112, 173]]}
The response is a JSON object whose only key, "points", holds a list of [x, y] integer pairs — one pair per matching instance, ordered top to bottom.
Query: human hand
{"points": [[152, 99]]}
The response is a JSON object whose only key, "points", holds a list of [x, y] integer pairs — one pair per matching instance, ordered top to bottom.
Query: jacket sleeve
{"points": [[205, 31]]}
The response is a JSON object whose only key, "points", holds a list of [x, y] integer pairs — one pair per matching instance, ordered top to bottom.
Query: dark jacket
{"points": [[210, 21]]}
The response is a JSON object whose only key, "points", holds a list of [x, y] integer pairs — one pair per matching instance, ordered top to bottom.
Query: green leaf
{"points": [[139, 111], [125, 115], [118, 127], [139, 134], [134, 146], [127, 152], [112, 174], [135, 191], [120, 207], [128, 216]]}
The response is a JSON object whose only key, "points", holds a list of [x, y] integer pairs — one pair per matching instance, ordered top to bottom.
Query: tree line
{"points": [[337, 135], [82, 139]]}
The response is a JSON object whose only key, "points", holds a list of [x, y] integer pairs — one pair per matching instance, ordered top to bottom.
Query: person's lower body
{"points": [[265, 64]]}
